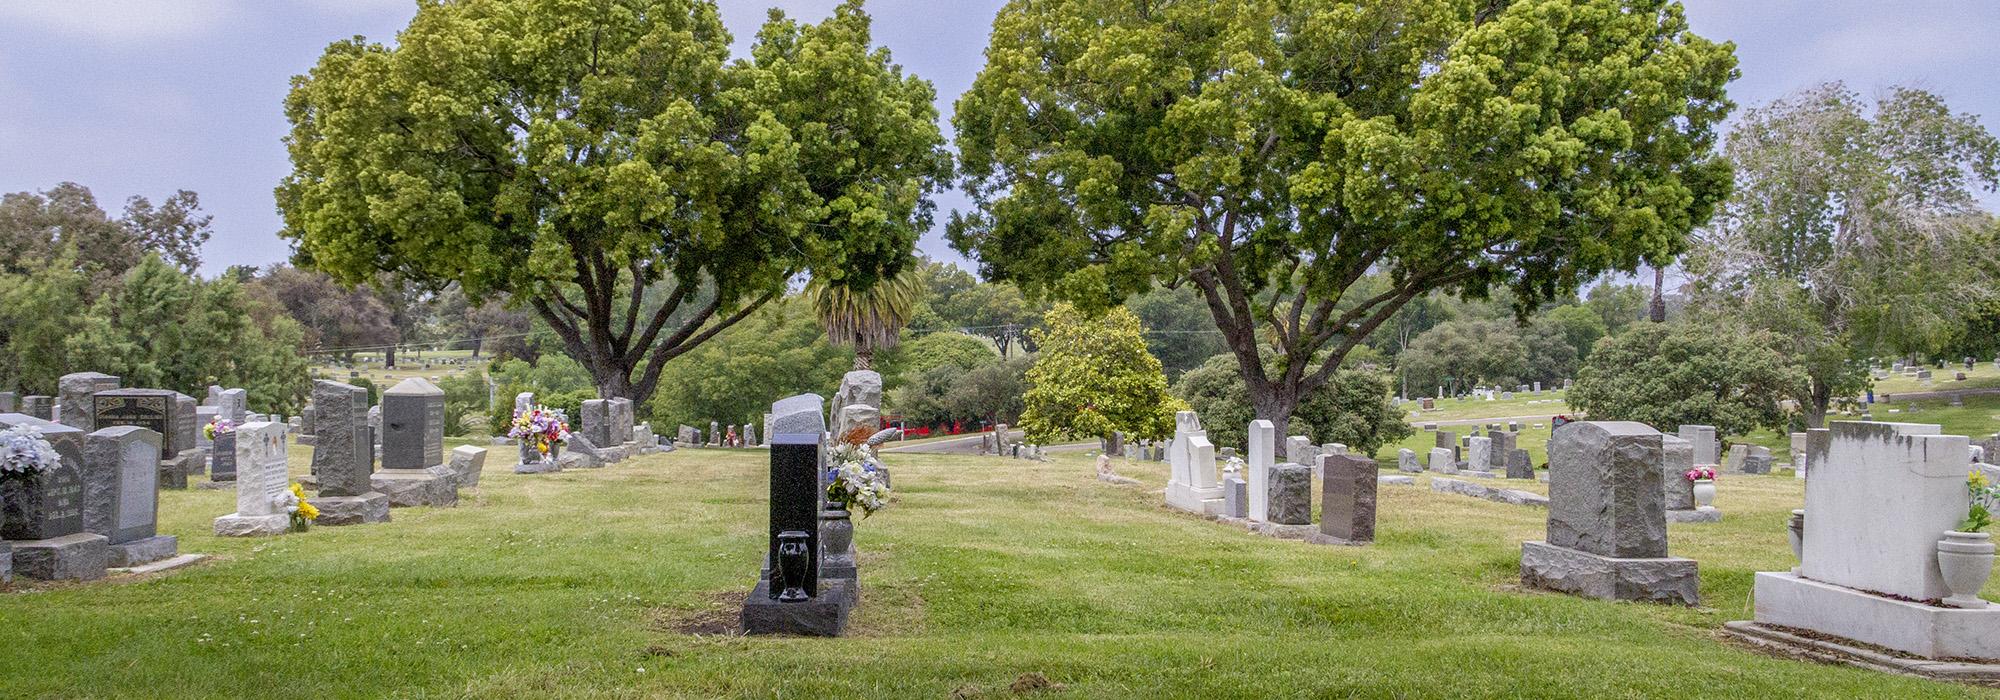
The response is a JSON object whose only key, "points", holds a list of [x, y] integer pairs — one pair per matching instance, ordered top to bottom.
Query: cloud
{"points": [[117, 21]]}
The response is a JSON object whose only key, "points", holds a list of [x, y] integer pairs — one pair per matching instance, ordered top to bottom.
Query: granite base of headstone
{"points": [[467, 462], [434, 487], [351, 510], [1701, 514], [236, 525], [1607, 532], [142, 551], [81, 556]]}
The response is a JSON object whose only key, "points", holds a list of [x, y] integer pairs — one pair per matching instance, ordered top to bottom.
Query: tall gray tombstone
{"points": [[74, 390], [9, 402], [234, 404], [40, 407], [596, 418], [621, 420], [413, 425], [1706, 449], [343, 457], [1676, 459], [414, 472], [262, 481], [121, 495], [1347, 498], [44, 513], [1607, 534]]}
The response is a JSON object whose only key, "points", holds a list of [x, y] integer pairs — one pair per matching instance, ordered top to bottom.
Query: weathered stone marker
{"points": [[75, 390], [1263, 438], [343, 458], [1192, 484], [1290, 494], [1879, 499], [1607, 535]]}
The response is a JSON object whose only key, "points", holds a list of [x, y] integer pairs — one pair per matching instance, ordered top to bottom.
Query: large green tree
{"points": [[1274, 154], [607, 165], [1853, 231], [1681, 373], [1093, 377], [1353, 409]]}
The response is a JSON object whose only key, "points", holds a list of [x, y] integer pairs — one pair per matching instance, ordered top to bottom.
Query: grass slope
{"points": [[611, 583]]}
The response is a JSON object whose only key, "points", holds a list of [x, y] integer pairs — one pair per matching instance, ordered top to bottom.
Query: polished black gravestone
{"points": [[791, 598]]}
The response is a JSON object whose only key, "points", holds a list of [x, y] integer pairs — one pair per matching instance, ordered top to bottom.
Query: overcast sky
{"points": [[150, 96]]}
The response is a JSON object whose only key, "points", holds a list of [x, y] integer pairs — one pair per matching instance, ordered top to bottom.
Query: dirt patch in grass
{"points": [[716, 614]]}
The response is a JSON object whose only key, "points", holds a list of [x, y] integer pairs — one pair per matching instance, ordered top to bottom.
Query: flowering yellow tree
{"points": [[1094, 377]]}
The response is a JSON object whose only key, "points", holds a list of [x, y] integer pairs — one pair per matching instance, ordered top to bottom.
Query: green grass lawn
{"points": [[1550, 403], [618, 582]]}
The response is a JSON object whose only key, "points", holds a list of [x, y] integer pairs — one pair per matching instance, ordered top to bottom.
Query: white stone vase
{"points": [[1704, 493], [1797, 533], [1965, 559]]}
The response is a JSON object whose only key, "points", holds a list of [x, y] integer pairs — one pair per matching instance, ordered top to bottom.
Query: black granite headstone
{"points": [[151, 409]]}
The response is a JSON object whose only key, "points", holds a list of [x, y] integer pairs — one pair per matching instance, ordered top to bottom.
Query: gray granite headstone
{"points": [[75, 390], [9, 402], [235, 404], [42, 407], [596, 418], [621, 420], [413, 425], [181, 430], [343, 456], [222, 457], [1676, 459], [1406, 461], [1519, 465], [121, 479], [1604, 490], [1290, 494], [1236, 497], [1347, 498], [49, 504]]}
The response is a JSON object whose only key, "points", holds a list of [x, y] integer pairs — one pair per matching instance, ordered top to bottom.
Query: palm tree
{"points": [[865, 319]]}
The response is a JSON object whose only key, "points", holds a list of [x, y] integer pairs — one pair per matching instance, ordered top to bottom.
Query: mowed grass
{"points": [[618, 583]]}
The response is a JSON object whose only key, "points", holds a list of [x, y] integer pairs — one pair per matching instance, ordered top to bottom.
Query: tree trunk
{"points": [[1659, 310], [476, 342], [389, 357], [864, 360], [1822, 399], [1273, 403]]}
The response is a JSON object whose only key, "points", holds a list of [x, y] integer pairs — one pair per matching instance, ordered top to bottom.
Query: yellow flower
{"points": [[1977, 479], [307, 511]]}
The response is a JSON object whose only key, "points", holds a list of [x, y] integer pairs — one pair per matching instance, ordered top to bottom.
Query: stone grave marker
{"points": [[74, 391], [234, 404], [40, 407], [1263, 438], [1706, 450], [343, 457], [1406, 461], [1442, 461], [414, 472], [262, 483], [1191, 484], [1289, 494], [122, 496], [1347, 498], [1878, 502], [44, 513], [1607, 530], [789, 598]]}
